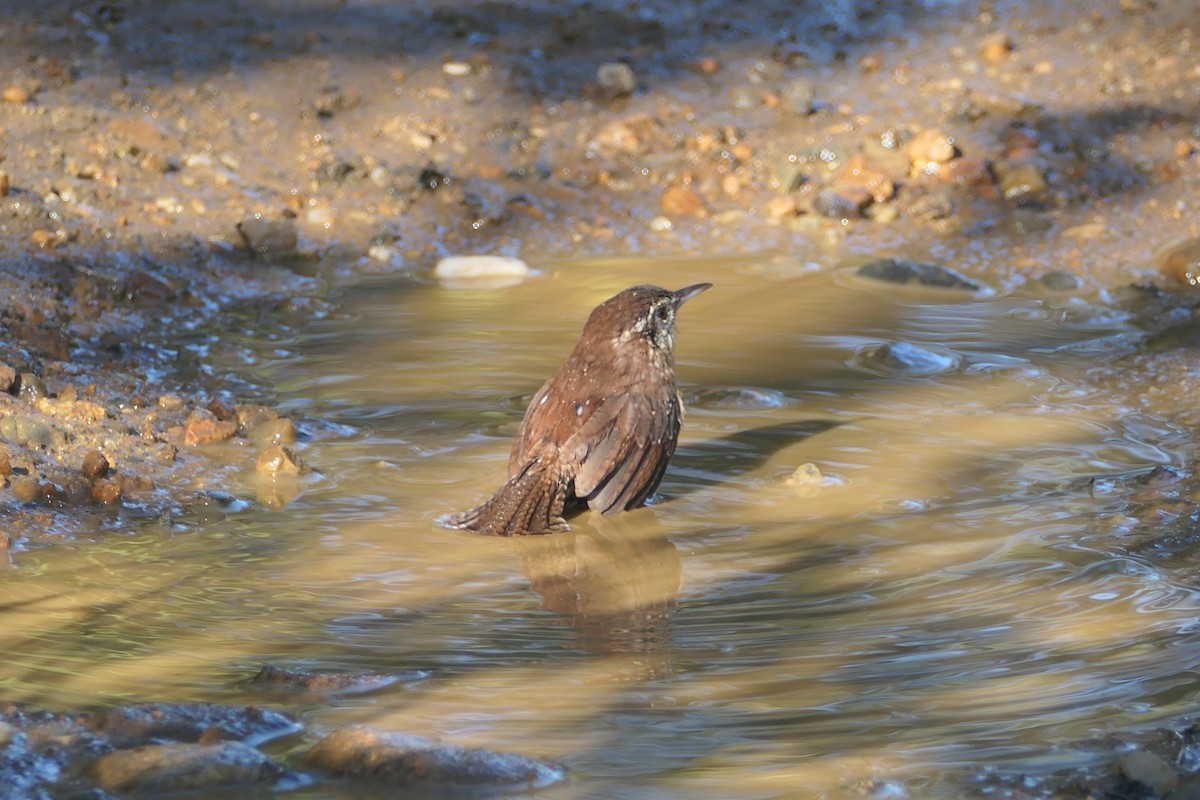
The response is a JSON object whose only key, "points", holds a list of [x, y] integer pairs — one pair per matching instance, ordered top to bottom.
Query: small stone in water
{"points": [[616, 79], [15, 94], [798, 97], [680, 201], [276, 237], [1181, 262], [894, 270], [494, 272], [1059, 281], [907, 357], [30, 387], [203, 427], [274, 431], [279, 460], [95, 465], [806, 475], [106, 492], [404, 760], [178, 767], [1149, 770]]}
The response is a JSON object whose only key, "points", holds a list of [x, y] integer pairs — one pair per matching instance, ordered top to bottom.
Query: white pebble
{"points": [[494, 272]]}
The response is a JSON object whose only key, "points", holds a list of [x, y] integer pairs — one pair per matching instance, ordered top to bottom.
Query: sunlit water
{"points": [[950, 595]]}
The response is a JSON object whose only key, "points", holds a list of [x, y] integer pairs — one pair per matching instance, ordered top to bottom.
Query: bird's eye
{"points": [[663, 313]]}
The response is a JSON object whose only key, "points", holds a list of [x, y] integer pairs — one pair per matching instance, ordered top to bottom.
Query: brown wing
{"points": [[622, 451]]}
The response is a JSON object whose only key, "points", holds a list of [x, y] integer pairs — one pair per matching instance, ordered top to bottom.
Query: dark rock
{"points": [[431, 179], [841, 202], [269, 237], [894, 270], [1059, 281], [1185, 334], [95, 465], [130, 726], [404, 760], [1142, 766], [183, 767]]}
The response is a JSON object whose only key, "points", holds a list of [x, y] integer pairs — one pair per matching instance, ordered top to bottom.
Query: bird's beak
{"points": [[688, 292]]}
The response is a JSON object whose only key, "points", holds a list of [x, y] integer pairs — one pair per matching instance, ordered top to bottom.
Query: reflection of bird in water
{"points": [[599, 433], [616, 579]]}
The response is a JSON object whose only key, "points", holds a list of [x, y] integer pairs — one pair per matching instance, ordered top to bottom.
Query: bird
{"points": [[600, 431]]}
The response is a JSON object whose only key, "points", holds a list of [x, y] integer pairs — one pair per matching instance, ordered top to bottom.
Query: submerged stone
{"points": [[1181, 262], [895, 270], [907, 357], [299, 680], [128, 726], [405, 760], [184, 767]]}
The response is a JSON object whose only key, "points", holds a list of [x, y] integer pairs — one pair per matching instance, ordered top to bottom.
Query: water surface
{"points": [[953, 593]]}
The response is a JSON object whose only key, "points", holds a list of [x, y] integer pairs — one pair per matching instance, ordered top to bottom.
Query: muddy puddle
{"points": [[888, 551]]}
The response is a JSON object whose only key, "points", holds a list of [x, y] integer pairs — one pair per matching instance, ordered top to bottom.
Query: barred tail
{"points": [[530, 503]]}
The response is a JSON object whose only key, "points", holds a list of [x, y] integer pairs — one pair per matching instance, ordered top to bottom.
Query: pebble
{"points": [[996, 47], [457, 69], [616, 79], [17, 95], [798, 97], [928, 150], [1020, 178], [5, 184], [680, 201], [842, 202], [781, 207], [275, 237], [43, 238], [1180, 262], [894, 270], [484, 271], [1059, 281], [906, 357], [8, 378], [203, 427], [28, 430], [275, 431], [5, 460], [279, 460], [95, 465], [806, 475], [24, 488], [107, 492], [299, 680], [143, 723], [404, 760], [159, 768], [1149, 770]]}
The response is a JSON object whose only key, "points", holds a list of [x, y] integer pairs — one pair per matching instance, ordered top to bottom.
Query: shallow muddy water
{"points": [[952, 593]]}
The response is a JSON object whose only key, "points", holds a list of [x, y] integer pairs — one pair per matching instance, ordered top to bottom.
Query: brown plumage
{"points": [[600, 432]]}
